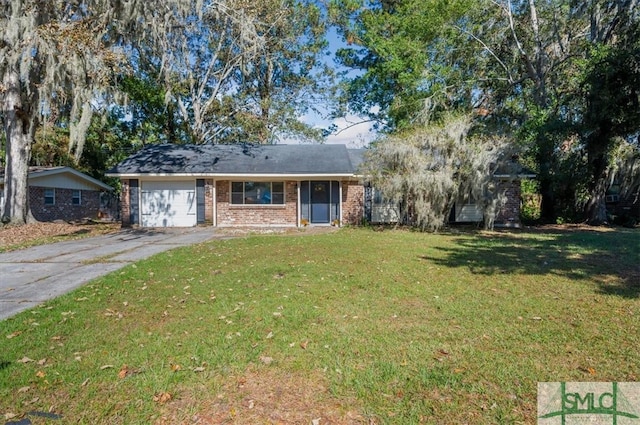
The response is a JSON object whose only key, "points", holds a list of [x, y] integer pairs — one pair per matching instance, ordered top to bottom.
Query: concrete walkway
{"points": [[31, 276]]}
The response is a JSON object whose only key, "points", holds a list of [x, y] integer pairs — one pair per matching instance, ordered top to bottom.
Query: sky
{"points": [[352, 130]]}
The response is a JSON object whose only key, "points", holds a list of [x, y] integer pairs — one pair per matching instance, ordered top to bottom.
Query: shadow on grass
{"points": [[610, 258]]}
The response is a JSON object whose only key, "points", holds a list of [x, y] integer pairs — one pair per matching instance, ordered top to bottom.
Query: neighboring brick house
{"points": [[249, 185], [62, 193]]}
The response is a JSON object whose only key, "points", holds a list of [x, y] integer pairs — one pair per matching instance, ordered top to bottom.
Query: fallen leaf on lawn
{"points": [[536, 318], [14, 334], [270, 335], [56, 338], [304, 345], [25, 360], [266, 360], [41, 362], [107, 366], [176, 367], [199, 369], [589, 370], [123, 372], [40, 374], [85, 382], [23, 389], [162, 397], [33, 400], [9, 415], [315, 421]]}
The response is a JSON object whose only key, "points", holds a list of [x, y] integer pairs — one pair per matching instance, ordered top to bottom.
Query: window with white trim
{"points": [[257, 193], [49, 196], [76, 197]]}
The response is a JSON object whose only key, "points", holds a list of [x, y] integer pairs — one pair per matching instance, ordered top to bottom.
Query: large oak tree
{"points": [[59, 53]]}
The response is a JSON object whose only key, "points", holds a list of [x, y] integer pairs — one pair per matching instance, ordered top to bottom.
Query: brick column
{"points": [[125, 202]]}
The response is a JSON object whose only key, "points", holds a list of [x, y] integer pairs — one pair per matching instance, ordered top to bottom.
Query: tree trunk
{"points": [[18, 147], [545, 159], [596, 209]]}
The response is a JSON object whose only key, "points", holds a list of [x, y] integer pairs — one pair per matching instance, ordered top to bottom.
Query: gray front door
{"points": [[320, 202]]}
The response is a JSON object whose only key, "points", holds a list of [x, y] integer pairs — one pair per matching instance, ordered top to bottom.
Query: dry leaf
{"points": [[14, 334], [270, 335], [56, 338], [304, 344], [25, 360], [266, 360], [42, 362], [107, 366], [176, 367], [199, 369], [589, 370], [123, 372], [40, 374], [84, 384], [23, 389], [162, 397], [9, 415]]}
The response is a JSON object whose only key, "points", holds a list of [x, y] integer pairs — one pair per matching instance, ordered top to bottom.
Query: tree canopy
{"points": [[195, 71], [550, 75]]}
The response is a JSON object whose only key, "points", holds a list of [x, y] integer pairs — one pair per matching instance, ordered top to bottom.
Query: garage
{"points": [[168, 203]]}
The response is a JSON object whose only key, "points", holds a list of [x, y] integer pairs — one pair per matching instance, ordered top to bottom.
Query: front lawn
{"points": [[353, 327]]}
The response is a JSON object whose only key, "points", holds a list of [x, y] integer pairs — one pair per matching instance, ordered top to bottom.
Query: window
{"points": [[257, 193], [49, 196], [76, 197]]}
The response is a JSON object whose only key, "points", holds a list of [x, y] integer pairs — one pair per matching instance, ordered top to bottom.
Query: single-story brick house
{"points": [[249, 185], [62, 193]]}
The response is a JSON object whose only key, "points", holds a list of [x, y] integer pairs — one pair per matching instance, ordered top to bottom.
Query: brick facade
{"points": [[352, 202], [125, 204], [63, 207], [509, 214], [256, 215]]}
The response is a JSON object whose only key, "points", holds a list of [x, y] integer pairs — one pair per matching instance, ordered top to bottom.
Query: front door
{"points": [[320, 202]]}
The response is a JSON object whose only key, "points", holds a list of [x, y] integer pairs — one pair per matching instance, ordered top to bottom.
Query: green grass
{"points": [[399, 327]]}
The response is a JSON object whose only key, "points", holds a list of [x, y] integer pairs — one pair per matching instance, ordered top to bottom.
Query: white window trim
{"points": [[73, 192], [243, 204]]}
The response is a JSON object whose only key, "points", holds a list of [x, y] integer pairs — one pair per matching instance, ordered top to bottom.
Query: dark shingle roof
{"points": [[356, 156], [237, 159]]}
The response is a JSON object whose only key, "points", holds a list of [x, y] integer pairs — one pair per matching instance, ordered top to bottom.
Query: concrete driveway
{"points": [[31, 276]]}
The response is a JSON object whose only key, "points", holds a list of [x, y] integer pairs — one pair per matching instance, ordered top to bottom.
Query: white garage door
{"points": [[168, 204]]}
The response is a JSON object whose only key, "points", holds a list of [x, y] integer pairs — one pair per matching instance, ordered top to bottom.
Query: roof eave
{"points": [[292, 176]]}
